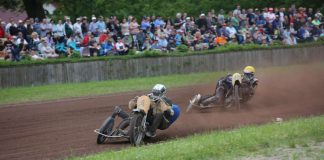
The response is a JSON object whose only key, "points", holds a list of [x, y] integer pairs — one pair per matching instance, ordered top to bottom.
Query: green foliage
{"points": [[182, 48], [152, 53], [75, 54]]}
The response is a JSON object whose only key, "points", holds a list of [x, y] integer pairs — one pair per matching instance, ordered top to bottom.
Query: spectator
{"points": [[202, 23], [101, 24], [145, 24], [93, 25], [77, 26], [84, 26], [68, 27], [125, 27], [2, 30], [231, 30], [221, 40], [290, 40], [94, 47], [120, 47], [106, 48], [46, 50]]}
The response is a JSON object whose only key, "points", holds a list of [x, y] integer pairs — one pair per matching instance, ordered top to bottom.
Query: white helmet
{"points": [[159, 90]]}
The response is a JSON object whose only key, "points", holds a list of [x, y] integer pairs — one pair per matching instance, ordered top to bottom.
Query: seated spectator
{"points": [[2, 30], [232, 32], [303, 33], [103, 36], [20, 39], [49, 39], [127, 40], [221, 40], [290, 40], [34, 41], [162, 43], [72, 45], [146, 45], [60, 46], [2, 47], [94, 47], [120, 47], [9, 48], [106, 48], [47, 51]]}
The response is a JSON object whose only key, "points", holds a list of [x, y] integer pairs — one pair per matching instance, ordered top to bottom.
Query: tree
{"points": [[34, 8]]}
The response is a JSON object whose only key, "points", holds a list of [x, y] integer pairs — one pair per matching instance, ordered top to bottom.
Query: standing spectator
{"points": [[237, 11], [251, 16], [271, 16], [221, 17], [178, 21], [159, 22], [202, 23], [101, 24], [145, 24], [93, 25], [37, 26], [68, 26], [77, 26], [84, 26], [125, 27], [21, 28], [9, 29], [59, 29], [134, 30], [140, 36]]}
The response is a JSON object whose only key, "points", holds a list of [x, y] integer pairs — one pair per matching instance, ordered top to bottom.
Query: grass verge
{"points": [[58, 91], [247, 141]]}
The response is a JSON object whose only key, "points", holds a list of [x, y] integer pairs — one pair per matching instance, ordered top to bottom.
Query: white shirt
{"points": [[271, 17], [77, 28], [232, 31]]}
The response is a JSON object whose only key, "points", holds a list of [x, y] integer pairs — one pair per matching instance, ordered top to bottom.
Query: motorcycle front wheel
{"points": [[106, 128], [137, 130]]}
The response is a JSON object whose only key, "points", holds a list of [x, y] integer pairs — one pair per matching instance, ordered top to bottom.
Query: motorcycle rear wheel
{"points": [[136, 130]]}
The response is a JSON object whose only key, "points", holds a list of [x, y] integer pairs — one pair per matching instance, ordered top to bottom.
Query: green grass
{"points": [[223, 49], [58, 91], [247, 141]]}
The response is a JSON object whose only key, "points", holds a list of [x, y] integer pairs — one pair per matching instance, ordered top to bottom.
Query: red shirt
{"points": [[2, 32], [102, 38]]}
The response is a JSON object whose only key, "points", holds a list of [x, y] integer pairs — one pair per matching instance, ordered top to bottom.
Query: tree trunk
{"points": [[34, 8]]}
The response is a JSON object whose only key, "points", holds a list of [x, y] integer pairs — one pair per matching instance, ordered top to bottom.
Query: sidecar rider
{"points": [[223, 85], [159, 121]]}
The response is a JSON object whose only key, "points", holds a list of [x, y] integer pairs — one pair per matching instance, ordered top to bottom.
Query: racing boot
{"points": [[119, 112], [151, 130]]}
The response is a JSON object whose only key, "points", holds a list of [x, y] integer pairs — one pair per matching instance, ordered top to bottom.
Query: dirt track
{"points": [[58, 129]]}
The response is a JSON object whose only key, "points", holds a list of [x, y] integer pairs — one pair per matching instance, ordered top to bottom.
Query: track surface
{"points": [[59, 129]]}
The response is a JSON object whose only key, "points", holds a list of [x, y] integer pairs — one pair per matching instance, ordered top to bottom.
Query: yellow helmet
{"points": [[249, 69]]}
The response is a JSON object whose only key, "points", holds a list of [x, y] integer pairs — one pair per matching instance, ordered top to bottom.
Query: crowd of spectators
{"points": [[102, 36]]}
